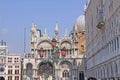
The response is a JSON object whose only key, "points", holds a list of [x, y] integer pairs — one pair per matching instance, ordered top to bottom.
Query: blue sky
{"points": [[15, 15]]}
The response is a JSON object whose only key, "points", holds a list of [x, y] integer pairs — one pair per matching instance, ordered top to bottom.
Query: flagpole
{"points": [[24, 41]]}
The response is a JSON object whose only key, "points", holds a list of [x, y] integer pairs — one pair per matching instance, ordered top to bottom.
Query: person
{"points": [[2, 78], [92, 78]]}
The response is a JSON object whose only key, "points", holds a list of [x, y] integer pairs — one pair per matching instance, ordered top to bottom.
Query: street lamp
{"points": [[54, 42], [63, 51], [41, 52], [56, 54], [55, 57]]}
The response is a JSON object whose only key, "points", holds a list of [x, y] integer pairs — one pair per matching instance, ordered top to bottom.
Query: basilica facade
{"points": [[57, 58]]}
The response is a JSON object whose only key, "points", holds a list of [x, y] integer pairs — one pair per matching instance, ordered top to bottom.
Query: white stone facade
{"points": [[103, 39], [3, 53], [10, 65], [45, 68]]}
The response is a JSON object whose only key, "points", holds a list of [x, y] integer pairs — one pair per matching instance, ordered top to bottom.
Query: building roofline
{"points": [[88, 4], [11, 54]]}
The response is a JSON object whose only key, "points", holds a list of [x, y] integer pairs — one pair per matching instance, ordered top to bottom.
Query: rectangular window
{"points": [[117, 42], [9, 59], [2, 60], [16, 60], [9, 66], [16, 66], [9, 71], [16, 71], [9, 77], [16, 77]]}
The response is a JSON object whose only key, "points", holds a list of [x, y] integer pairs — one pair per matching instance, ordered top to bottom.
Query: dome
{"points": [[79, 24]]}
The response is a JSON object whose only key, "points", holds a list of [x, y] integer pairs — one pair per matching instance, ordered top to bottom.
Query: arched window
{"points": [[117, 42], [82, 47], [29, 66], [45, 67], [116, 69], [29, 70], [111, 70], [108, 71], [104, 72], [65, 73], [81, 75]]}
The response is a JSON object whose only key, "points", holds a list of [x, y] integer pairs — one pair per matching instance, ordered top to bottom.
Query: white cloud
{"points": [[4, 31]]}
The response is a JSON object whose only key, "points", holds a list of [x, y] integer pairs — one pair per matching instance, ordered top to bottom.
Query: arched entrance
{"points": [[29, 70], [46, 70], [66, 71], [81, 75], [2, 78]]}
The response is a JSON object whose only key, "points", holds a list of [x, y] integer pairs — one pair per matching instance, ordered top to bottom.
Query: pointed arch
{"points": [[65, 74]]}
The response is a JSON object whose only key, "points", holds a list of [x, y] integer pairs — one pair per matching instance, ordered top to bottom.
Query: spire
{"points": [[33, 25], [75, 27], [56, 28], [33, 29], [45, 32], [66, 32]]}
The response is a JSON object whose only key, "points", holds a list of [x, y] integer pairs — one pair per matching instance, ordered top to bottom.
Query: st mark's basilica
{"points": [[57, 58]]}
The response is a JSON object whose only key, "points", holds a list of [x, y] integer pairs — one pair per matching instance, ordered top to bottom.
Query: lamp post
{"points": [[54, 42], [63, 51], [41, 52], [55, 56]]}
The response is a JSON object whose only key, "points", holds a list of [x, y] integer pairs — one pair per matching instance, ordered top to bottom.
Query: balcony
{"points": [[100, 19]]}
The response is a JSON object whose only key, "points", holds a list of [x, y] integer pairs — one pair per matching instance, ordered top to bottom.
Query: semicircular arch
{"points": [[44, 43], [66, 43], [66, 62], [42, 63], [29, 64]]}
